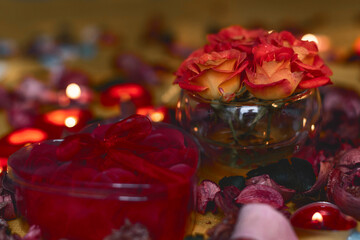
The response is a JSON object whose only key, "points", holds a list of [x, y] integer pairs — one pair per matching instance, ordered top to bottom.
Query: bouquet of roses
{"points": [[269, 65]]}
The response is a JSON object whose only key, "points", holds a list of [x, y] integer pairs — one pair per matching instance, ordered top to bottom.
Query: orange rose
{"points": [[275, 64], [212, 75], [272, 77]]}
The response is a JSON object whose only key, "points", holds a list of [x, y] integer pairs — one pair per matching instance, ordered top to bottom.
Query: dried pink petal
{"points": [[350, 158], [325, 169], [265, 180], [206, 192], [260, 194], [225, 199]]}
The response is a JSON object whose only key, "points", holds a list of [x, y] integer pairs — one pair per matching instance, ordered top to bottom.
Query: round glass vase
{"points": [[250, 132]]}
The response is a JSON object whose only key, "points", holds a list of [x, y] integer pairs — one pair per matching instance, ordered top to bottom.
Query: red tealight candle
{"points": [[357, 46], [125, 92], [159, 114], [55, 122], [26, 135], [17, 139], [322, 220]]}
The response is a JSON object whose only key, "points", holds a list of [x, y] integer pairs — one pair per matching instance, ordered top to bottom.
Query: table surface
{"points": [[202, 222]]}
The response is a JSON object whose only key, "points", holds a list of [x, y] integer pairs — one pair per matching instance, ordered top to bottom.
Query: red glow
{"points": [[357, 46], [126, 91], [133, 92], [145, 110], [155, 114], [58, 117], [26, 135], [3, 163]]}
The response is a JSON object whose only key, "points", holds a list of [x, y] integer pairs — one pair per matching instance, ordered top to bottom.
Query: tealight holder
{"points": [[323, 221]]}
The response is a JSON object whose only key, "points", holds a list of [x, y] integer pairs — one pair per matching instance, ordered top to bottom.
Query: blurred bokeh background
{"points": [[188, 20]]}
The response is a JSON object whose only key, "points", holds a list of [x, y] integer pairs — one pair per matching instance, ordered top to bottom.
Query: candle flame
{"points": [[311, 38], [73, 91], [155, 115], [58, 117], [70, 122], [304, 122], [27, 135], [317, 217]]}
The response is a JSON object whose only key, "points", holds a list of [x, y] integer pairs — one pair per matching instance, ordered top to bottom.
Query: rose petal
{"points": [[134, 128], [78, 147], [325, 169], [206, 192], [286, 193], [260, 194], [225, 199]]}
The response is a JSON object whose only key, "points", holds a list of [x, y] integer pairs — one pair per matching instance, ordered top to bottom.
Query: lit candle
{"points": [[357, 46], [75, 93], [116, 94], [159, 114], [72, 120], [26, 135], [16, 140], [322, 220]]}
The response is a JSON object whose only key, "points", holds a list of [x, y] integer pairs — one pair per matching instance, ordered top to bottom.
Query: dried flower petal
{"points": [[299, 175], [265, 179], [343, 187], [206, 192], [260, 194], [225, 199], [130, 232]]}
